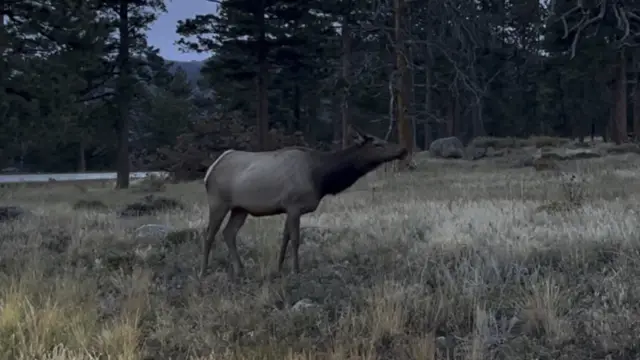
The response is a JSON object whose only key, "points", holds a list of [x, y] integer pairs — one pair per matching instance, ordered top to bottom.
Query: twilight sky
{"points": [[163, 32]]}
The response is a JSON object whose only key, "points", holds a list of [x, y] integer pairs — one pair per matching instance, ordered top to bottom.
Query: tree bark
{"points": [[2, 12], [346, 72], [428, 94], [428, 97], [124, 98], [636, 101], [297, 108], [262, 110], [457, 116], [451, 118], [620, 118], [477, 120], [336, 121], [610, 129], [405, 136], [82, 158]]}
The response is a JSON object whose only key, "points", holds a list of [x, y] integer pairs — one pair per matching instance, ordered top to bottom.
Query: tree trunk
{"points": [[4, 7], [3, 10], [346, 72], [411, 90], [428, 97], [124, 98], [392, 101], [636, 102], [313, 105], [262, 110], [297, 111], [457, 116], [451, 118], [620, 118], [478, 119], [336, 121], [610, 129], [582, 130], [405, 136], [82, 159]]}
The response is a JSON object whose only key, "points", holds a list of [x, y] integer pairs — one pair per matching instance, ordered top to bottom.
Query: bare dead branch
{"points": [[564, 16], [584, 22], [624, 24], [392, 99]]}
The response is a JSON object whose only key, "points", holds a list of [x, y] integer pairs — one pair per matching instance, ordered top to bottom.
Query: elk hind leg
{"points": [[217, 213], [230, 232]]}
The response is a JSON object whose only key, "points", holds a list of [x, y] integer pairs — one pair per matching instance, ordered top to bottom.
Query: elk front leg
{"points": [[293, 227], [283, 246]]}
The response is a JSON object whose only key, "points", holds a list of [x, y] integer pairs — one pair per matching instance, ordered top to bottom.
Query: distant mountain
{"points": [[191, 68]]}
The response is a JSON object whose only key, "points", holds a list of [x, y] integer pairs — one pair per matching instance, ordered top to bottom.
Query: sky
{"points": [[162, 33]]}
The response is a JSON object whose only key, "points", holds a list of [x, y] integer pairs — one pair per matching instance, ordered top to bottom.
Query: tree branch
{"points": [[584, 22]]}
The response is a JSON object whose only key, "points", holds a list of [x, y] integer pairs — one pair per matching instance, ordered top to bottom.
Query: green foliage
{"points": [[295, 48], [484, 68], [59, 92], [168, 108]]}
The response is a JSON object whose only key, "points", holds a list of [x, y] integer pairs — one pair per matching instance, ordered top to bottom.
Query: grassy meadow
{"points": [[455, 260]]}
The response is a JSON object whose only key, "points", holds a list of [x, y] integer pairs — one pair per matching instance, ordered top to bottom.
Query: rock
{"points": [[447, 148], [8, 213], [153, 230], [304, 304]]}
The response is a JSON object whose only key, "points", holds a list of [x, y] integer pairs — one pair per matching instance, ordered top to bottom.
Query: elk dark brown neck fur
{"points": [[337, 171]]}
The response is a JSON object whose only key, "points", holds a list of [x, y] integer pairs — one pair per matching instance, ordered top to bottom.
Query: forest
{"points": [[83, 90]]}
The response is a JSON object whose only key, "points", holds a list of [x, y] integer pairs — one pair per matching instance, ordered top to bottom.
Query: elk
{"points": [[289, 181]]}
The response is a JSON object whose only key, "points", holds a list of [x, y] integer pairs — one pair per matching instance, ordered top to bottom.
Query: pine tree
{"points": [[251, 43]]}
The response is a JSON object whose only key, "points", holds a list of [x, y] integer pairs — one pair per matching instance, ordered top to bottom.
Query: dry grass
{"points": [[451, 261]]}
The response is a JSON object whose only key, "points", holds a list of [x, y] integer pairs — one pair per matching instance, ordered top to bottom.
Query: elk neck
{"points": [[336, 171]]}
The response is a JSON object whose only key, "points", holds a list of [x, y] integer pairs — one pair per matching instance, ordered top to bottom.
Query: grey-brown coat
{"points": [[289, 181]]}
